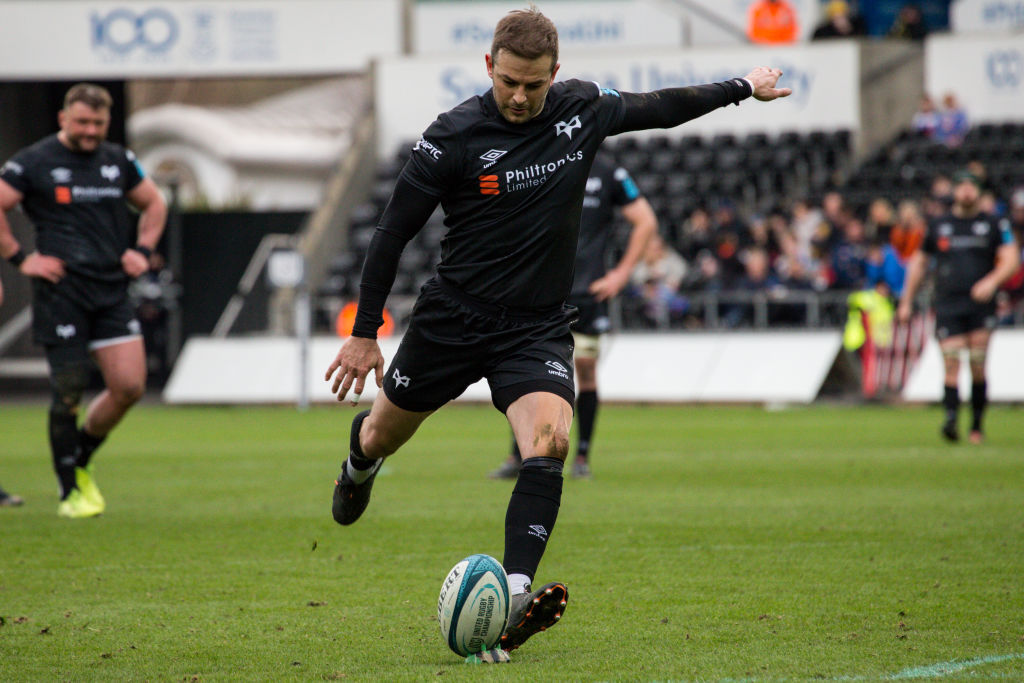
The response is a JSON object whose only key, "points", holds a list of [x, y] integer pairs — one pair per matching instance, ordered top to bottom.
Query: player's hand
{"points": [[764, 79], [134, 263], [42, 266], [608, 286], [983, 290], [904, 311], [353, 363]]}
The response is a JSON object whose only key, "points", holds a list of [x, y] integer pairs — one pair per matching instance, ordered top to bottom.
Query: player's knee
{"points": [[67, 384], [128, 393], [551, 442]]}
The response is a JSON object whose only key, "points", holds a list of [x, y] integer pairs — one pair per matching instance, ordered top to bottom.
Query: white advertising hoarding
{"points": [[986, 16], [468, 27], [68, 39], [986, 73], [825, 78]]}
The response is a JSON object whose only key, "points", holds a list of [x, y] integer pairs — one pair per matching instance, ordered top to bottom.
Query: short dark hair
{"points": [[526, 33], [95, 96]]}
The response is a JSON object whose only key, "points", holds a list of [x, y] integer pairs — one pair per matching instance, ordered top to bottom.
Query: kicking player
{"points": [[509, 169], [73, 185], [608, 186], [973, 253]]}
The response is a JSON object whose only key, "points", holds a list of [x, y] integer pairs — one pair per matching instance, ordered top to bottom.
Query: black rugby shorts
{"points": [[77, 311], [450, 345]]}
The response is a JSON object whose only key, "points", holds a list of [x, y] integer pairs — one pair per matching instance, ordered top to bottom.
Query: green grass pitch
{"points": [[713, 544]]}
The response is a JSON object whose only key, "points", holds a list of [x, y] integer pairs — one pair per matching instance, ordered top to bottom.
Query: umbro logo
{"points": [[568, 127], [492, 155], [111, 173], [61, 175], [556, 368], [400, 380], [539, 531]]}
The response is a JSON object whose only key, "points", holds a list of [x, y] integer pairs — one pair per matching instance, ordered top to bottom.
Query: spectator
{"points": [[772, 21], [840, 22], [909, 23], [926, 118], [952, 122], [940, 197], [881, 218], [806, 222], [696, 234], [730, 236], [849, 256], [757, 277], [656, 279]]}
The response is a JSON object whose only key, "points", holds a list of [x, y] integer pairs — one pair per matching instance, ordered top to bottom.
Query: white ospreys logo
{"points": [[568, 127], [111, 173], [66, 331], [400, 381]]}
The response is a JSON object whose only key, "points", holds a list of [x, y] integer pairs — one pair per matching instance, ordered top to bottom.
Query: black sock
{"points": [[979, 399], [951, 401], [586, 411], [87, 445], [64, 448], [355, 452], [516, 454], [531, 515]]}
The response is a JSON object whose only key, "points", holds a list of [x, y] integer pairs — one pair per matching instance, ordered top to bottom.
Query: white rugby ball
{"points": [[473, 606]]}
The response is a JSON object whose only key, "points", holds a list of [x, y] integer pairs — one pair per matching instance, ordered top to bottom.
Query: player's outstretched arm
{"points": [[670, 107]]}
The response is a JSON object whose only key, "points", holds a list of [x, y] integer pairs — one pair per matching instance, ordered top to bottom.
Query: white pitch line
{"points": [[955, 666]]}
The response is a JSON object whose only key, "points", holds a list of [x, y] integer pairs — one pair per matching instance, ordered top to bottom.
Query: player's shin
{"points": [[530, 519]]}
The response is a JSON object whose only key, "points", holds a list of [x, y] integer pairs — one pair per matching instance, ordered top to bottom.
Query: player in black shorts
{"points": [[509, 169], [73, 185], [608, 186], [973, 253]]}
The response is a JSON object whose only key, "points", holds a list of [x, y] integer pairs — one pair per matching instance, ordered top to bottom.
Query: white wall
{"points": [[986, 16], [67, 39], [985, 72], [411, 92], [752, 367], [1004, 370]]}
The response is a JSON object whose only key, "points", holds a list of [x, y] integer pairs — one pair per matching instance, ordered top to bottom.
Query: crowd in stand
{"points": [[812, 245]]}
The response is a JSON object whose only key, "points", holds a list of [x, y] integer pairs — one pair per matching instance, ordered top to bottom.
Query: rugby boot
{"points": [[87, 485], [350, 498], [77, 506], [531, 613]]}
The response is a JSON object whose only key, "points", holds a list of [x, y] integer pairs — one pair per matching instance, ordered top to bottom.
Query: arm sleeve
{"points": [[672, 106], [133, 173], [404, 216]]}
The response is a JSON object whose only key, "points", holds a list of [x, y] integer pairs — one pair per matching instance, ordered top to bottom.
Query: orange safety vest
{"points": [[772, 22]]}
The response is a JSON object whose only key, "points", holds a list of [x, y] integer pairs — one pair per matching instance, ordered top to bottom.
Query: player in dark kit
{"points": [[509, 169], [73, 185], [608, 186], [974, 253]]}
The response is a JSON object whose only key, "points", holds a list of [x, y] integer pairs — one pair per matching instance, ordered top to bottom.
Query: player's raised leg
{"points": [[541, 423], [376, 434]]}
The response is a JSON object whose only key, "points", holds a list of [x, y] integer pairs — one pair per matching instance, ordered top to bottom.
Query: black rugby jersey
{"points": [[608, 186], [511, 192], [76, 200], [965, 251]]}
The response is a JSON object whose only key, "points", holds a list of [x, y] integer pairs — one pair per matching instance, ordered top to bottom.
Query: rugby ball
{"points": [[473, 606]]}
